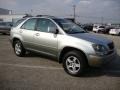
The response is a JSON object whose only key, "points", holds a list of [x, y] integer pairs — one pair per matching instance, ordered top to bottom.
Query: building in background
{"points": [[4, 11], [7, 15], [11, 17]]}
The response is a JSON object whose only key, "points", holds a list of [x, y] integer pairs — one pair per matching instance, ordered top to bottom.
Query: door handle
{"points": [[37, 34]]}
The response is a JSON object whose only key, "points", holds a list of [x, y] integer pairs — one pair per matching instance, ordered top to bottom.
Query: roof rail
{"points": [[27, 16], [45, 16]]}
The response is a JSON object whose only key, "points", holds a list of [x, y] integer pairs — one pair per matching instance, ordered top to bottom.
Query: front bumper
{"points": [[96, 61]]}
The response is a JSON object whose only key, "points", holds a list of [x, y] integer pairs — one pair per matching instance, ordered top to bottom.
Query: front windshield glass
{"points": [[69, 27], [101, 27]]}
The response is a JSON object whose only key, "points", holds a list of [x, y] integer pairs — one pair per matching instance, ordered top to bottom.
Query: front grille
{"points": [[111, 46]]}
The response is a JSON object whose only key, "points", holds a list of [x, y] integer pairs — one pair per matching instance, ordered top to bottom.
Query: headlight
{"points": [[100, 49]]}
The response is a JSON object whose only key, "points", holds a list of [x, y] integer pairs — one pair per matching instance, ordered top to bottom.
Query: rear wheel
{"points": [[18, 48], [74, 63]]}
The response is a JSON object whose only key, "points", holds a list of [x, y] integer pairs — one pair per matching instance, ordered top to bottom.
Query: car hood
{"points": [[92, 38]]}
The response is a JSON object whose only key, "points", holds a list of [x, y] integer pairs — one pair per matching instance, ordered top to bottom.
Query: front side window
{"points": [[29, 24], [45, 25]]}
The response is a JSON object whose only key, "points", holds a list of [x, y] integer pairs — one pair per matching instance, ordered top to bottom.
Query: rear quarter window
{"points": [[18, 22], [29, 24]]}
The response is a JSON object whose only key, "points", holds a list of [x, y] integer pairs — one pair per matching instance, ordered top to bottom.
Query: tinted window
{"points": [[18, 22], [2, 24], [29, 24], [44, 25], [51, 26], [95, 26], [101, 27]]}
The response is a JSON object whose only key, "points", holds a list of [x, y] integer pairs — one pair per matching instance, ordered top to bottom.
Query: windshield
{"points": [[69, 27], [101, 27]]}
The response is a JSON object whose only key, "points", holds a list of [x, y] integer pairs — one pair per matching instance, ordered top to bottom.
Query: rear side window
{"points": [[18, 22], [29, 24]]}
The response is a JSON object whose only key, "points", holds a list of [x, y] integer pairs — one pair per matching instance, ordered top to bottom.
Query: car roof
{"points": [[44, 16]]}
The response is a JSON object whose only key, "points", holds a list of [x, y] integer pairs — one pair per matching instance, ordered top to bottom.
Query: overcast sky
{"points": [[87, 10]]}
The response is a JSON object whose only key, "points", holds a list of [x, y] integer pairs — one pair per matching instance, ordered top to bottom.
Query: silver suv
{"points": [[63, 39]]}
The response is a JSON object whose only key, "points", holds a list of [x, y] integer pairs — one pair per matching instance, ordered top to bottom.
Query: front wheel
{"points": [[18, 48], [74, 63]]}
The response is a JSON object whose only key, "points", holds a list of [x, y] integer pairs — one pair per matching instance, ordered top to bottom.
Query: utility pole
{"points": [[31, 11], [10, 12], [74, 14], [102, 19]]}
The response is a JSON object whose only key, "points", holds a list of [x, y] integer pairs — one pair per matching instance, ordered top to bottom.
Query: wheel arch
{"points": [[14, 39], [67, 49]]}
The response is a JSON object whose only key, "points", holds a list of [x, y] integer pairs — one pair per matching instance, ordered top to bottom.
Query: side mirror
{"points": [[53, 30], [57, 31]]}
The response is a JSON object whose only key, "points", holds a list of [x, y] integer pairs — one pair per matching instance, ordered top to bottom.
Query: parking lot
{"points": [[37, 72]]}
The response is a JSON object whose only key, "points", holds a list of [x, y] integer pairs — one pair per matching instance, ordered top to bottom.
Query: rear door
{"points": [[27, 32]]}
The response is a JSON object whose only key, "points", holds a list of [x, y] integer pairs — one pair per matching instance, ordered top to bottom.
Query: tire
{"points": [[18, 48], [74, 63]]}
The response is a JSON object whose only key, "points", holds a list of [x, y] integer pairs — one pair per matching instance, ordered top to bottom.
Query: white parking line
{"points": [[28, 66]]}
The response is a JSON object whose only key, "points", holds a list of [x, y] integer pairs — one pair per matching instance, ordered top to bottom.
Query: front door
{"points": [[46, 41]]}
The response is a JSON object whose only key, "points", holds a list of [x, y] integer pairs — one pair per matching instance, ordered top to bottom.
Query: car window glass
{"points": [[18, 22], [2, 24], [29, 24], [42, 25], [45, 25], [51, 26], [95, 26], [101, 27]]}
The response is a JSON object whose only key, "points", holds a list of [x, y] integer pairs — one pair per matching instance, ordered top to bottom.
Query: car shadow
{"points": [[6, 34], [34, 54], [111, 69]]}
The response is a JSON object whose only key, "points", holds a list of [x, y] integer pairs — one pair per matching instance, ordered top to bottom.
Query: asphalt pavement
{"points": [[38, 72]]}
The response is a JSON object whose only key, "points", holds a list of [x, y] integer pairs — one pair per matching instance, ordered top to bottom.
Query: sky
{"points": [[87, 11]]}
